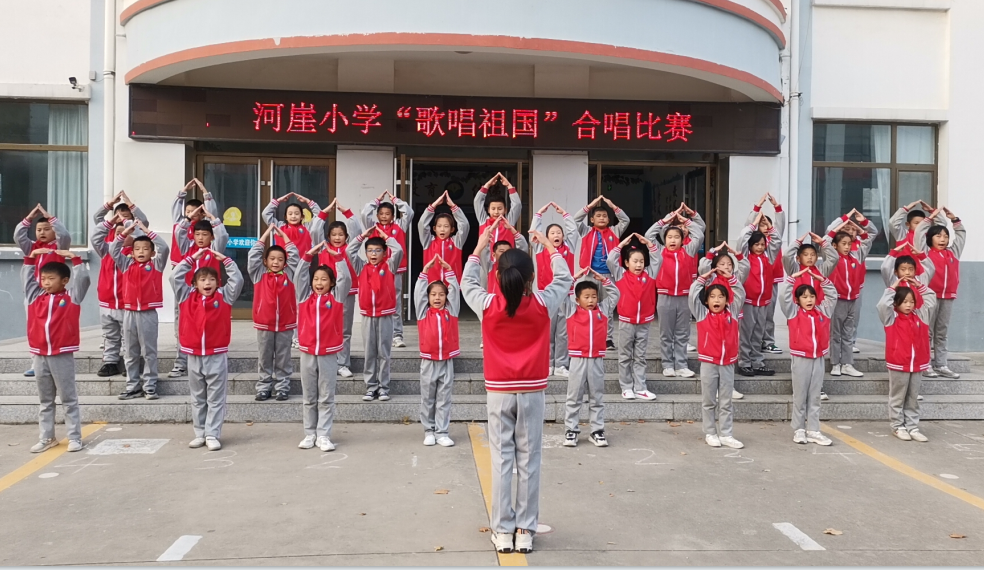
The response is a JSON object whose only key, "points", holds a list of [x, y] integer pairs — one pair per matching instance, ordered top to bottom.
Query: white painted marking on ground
{"points": [[843, 427], [114, 429], [128, 446], [414, 460], [642, 461], [47, 475], [948, 476], [544, 529], [797, 536], [181, 546]]}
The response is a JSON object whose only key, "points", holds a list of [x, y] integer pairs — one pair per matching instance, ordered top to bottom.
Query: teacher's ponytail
{"points": [[515, 277]]}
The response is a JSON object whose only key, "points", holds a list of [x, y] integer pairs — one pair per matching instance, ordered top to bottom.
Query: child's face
{"points": [[497, 209], [125, 213], [294, 215], [384, 215], [194, 217], [599, 219], [915, 222], [764, 225], [442, 228], [851, 231], [44, 232], [555, 235], [337, 237], [203, 239], [673, 239], [941, 240], [843, 246], [758, 247], [143, 251], [498, 251], [376, 254], [807, 257], [275, 261], [636, 263], [726, 264], [906, 271], [53, 283], [321, 283], [206, 284], [437, 297], [588, 299], [807, 301], [717, 302], [908, 305]]}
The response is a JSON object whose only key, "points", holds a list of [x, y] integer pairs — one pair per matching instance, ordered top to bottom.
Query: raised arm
{"points": [[479, 204], [178, 206], [211, 206], [515, 208], [269, 213], [368, 214], [100, 215], [405, 221], [581, 221], [535, 222], [623, 222], [896, 224], [464, 226], [424, 227], [696, 227], [100, 231], [220, 235], [181, 236], [22, 238], [959, 239], [867, 240], [773, 244], [523, 245], [352, 250], [116, 252], [395, 254], [830, 256], [655, 259], [254, 261], [789, 262], [614, 263], [888, 269], [302, 278], [343, 280], [179, 281], [29, 283], [234, 284], [471, 286], [454, 293], [737, 294], [829, 297], [420, 300], [929, 302], [786, 303], [886, 306], [697, 309]]}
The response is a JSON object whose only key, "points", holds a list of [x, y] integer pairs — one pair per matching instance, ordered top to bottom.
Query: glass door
{"points": [[308, 177]]}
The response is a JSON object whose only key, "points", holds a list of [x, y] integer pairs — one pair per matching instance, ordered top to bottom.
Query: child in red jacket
{"points": [[383, 214], [904, 221], [293, 224], [443, 235], [598, 237], [564, 239], [852, 242], [944, 251], [762, 252], [271, 269], [778, 275], [438, 304], [53, 308], [717, 308], [904, 309], [320, 324], [205, 334], [809, 342]]}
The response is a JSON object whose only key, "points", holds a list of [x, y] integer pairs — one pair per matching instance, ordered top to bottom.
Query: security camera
{"points": [[75, 84]]}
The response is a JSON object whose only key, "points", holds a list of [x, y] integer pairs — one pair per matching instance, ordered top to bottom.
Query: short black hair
{"points": [[496, 197], [194, 202], [295, 205], [387, 206], [121, 207], [596, 209], [914, 214], [449, 218], [44, 220], [340, 225], [203, 226], [677, 228], [935, 231], [841, 235], [756, 237], [146, 239], [376, 240], [501, 242], [634, 247], [806, 247], [274, 248], [721, 256], [904, 259], [58, 268], [326, 269], [204, 272], [433, 284], [584, 285], [714, 287], [804, 289], [900, 294]]}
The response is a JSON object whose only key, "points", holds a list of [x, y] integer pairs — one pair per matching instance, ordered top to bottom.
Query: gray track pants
{"points": [[398, 317], [770, 322], [857, 322], [940, 326], [843, 328], [674, 329], [751, 329], [112, 332], [140, 334], [377, 334], [558, 340], [632, 343], [344, 356], [181, 359], [274, 363], [587, 374], [55, 375], [319, 375], [208, 379], [436, 381], [807, 381], [717, 383], [903, 402], [515, 433]]}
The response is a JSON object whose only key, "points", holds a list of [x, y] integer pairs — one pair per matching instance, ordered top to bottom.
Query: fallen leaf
{"points": [[406, 420], [642, 421], [690, 421], [249, 423], [623, 423], [674, 424], [13, 444], [126, 445], [683, 453], [767, 470], [601, 482], [629, 491], [441, 492], [610, 495], [362, 514], [485, 529], [832, 531], [958, 536], [611, 543], [438, 548]]}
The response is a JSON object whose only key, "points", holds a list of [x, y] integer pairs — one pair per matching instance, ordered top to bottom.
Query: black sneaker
{"points": [[610, 345], [771, 348], [108, 369], [746, 371], [764, 371], [151, 394], [131, 395], [282, 395], [262, 396], [369, 396], [570, 438], [598, 438]]}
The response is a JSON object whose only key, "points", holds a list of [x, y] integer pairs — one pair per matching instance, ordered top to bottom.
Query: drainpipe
{"points": [[109, 99], [792, 200]]}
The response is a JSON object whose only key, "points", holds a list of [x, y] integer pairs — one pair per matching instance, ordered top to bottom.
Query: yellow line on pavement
{"points": [[43, 459], [483, 463], [897, 465]]}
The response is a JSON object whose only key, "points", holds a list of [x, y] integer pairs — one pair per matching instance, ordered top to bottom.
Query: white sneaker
{"points": [[398, 342], [294, 344], [481, 345], [691, 348], [855, 350], [835, 370], [562, 371], [851, 371], [344, 372], [669, 372], [177, 373], [685, 373], [947, 373], [931, 374], [628, 394], [645, 395], [736, 395], [824, 396], [919, 397], [902, 434], [799, 436], [918, 436], [817, 438], [429, 439], [712, 440], [445, 441], [307, 442], [731, 442], [196, 443], [213, 443], [325, 444], [44, 445], [74, 445], [503, 542], [524, 542]]}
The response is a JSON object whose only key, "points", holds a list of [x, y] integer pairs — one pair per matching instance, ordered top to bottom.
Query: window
{"points": [[43, 159], [872, 167]]}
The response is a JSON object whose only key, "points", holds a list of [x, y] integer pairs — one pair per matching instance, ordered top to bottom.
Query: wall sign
{"points": [[191, 113]]}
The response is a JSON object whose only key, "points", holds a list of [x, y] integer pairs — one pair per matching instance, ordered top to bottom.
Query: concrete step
{"points": [[406, 360], [408, 383], [682, 407]]}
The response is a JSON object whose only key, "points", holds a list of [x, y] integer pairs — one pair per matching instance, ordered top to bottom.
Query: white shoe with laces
{"points": [[398, 342], [691, 348], [855, 350], [835, 370], [562, 371], [851, 371], [344, 372], [669, 372], [685, 373], [947, 373], [931, 374], [628, 394], [645, 395], [736, 395], [824, 396], [919, 397], [902, 434], [916, 435], [799, 436], [817, 438], [429, 439], [712, 440], [445, 441], [197, 442], [307, 442], [731, 442], [213, 443], [325, 444], [44, 445], [74, 445], [503, 542], [524, 542]]}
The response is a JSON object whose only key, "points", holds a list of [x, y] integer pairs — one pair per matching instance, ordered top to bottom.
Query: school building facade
{"points": [[827, 104]]}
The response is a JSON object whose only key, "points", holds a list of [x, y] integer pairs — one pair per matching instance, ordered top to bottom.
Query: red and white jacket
{"points": [[397, 229], [300, 235], [448, 248], [761, 266], [544, 275], [848, 277], [946, 280], [143, 282], [377, 283], [109, 288], [637, 293], [274, 302], [53, 318], [320, 318], [205, 326], [438, 328], [587, 330], [809, 331], [717, 333], [907, 336]]}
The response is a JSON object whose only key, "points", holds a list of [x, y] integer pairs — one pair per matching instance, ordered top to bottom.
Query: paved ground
{"points": [[657, 496]]}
